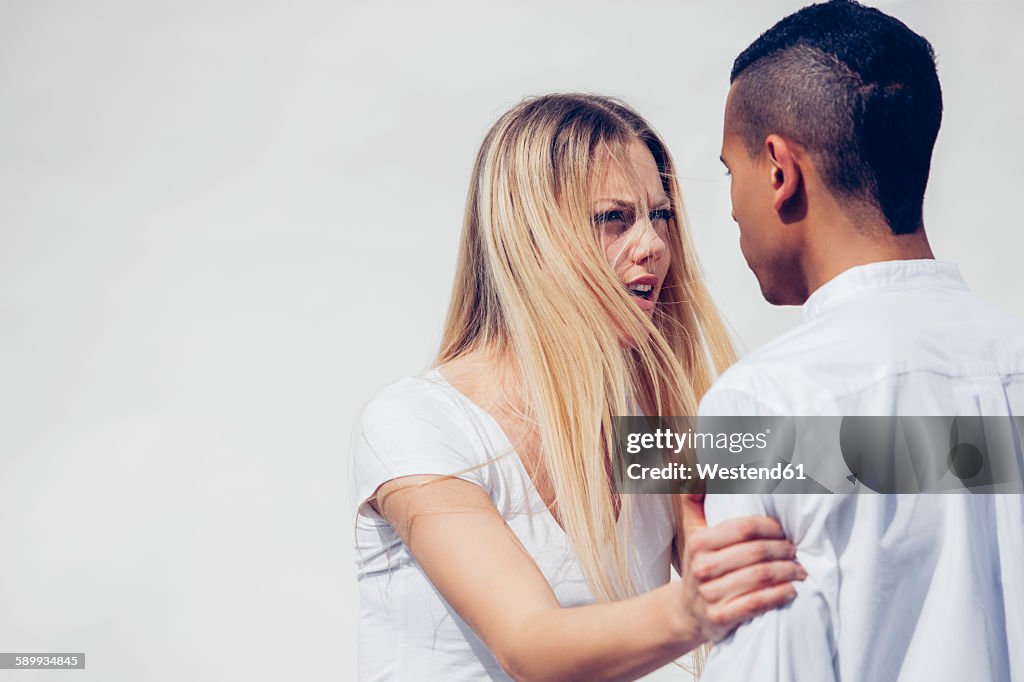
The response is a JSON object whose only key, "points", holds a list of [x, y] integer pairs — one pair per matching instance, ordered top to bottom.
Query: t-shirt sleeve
{"points": [[406, 431]]}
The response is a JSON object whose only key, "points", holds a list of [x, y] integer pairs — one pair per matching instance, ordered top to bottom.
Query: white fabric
{"points": [[900, 587], [407, 631]]}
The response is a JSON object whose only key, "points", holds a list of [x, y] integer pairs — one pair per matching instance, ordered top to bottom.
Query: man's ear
{"points": [[786, 178]]}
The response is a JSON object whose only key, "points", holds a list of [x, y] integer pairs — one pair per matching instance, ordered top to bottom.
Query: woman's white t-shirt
{"points": [[423, 425]]}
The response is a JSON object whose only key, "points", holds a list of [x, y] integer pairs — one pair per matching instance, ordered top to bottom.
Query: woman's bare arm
{"points": [[476, 562]]}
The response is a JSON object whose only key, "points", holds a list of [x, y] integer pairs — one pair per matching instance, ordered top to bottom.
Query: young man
{"points": [[829, 128]]}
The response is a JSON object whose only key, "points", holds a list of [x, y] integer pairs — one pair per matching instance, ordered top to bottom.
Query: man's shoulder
{"points": [[866, 345], [769, 375]]}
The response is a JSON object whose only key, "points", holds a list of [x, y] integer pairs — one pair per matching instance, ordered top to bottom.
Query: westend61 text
{"points": [[711, 472]]}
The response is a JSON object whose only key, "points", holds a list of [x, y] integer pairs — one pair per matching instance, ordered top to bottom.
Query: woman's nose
{"points": [[649, 245]]}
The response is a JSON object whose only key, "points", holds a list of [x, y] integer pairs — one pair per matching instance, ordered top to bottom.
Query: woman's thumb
{"points": [[693, 512]]}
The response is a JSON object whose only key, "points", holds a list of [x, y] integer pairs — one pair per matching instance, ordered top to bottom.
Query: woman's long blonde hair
{"points": [[533, 282]]}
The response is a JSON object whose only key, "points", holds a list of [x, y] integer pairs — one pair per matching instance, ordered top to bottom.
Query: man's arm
{"points": [[796, 642]]}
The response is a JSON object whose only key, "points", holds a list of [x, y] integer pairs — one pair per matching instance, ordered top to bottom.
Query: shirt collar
{"points": [[892, 275]]}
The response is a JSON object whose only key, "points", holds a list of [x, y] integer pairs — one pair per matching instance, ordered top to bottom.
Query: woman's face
{"points": [[635, 243]]}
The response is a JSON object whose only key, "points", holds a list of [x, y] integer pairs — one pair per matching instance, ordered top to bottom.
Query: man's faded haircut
{"points": [[857, 89]]}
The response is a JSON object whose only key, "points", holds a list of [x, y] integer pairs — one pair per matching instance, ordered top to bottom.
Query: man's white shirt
{"points": [[900, 587]]}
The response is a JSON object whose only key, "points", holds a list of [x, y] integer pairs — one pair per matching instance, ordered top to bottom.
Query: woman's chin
{"points": [[645, 305]]}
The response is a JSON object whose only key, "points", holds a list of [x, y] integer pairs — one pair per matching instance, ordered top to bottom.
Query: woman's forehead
{"points": [[628, 174]]}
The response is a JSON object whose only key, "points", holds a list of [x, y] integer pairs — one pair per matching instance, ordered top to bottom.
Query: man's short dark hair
{"points": [[855, 87]]}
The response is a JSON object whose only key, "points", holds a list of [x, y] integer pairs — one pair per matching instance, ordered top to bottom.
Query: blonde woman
{"points": [[490, 542]]}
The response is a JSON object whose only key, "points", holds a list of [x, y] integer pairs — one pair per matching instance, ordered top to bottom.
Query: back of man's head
{"points": [[858, 90]]}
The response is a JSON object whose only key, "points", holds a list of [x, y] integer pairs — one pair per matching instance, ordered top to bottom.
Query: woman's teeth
{"points": [[641, 290]]}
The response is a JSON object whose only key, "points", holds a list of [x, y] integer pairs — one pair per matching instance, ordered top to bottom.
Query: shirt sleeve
{"points": [[407, 433], [795, 642], [791, 643]]}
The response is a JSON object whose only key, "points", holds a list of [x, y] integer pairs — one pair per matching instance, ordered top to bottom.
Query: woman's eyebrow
{"points": [[617, 202], [662, 202]]}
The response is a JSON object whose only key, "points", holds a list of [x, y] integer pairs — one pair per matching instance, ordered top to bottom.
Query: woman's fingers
{"points": [[734, 531], [708, 565], [736, 570], [749, 578], [727, 615]]}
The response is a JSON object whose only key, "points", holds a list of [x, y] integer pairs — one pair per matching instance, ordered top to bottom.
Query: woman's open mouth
{"points": [[644, 291]]}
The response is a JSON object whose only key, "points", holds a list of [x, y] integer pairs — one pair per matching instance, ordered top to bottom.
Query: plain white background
{"points": [[225, 225]]}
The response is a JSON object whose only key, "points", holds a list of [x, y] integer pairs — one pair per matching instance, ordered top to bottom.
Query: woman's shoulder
{"points": [[416, 394], [422, 397], [423, 406], [418, 425]]}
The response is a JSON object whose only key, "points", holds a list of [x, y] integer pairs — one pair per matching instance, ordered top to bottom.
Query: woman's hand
{"points": [[733, 571]]}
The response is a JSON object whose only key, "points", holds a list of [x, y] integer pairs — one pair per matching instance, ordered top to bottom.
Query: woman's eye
{"points": [[610, 217], [660, 218], [613, 221]]}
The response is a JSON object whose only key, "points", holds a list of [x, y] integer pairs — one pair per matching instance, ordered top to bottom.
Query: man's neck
{"points": [[845, 245]]}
